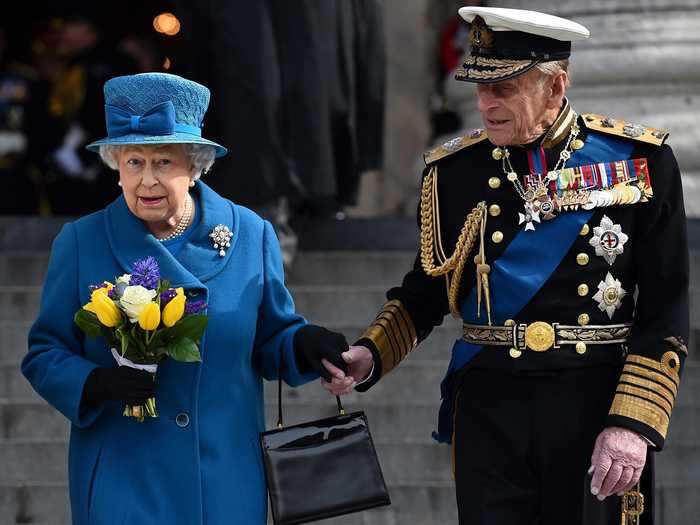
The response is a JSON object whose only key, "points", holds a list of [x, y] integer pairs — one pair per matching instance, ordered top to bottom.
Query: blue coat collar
{"points": [[196, 262]]}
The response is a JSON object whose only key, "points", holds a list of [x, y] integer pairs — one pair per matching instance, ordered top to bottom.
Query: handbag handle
{"points": [[280, 423]]}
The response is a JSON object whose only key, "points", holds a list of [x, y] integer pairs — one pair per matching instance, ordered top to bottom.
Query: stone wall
{"points": [[642, 63]]}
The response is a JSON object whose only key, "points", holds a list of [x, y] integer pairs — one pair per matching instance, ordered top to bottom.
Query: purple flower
{"points": [[146, 273], [94, 287], [113, 293], [166, 296], [194, 307]]}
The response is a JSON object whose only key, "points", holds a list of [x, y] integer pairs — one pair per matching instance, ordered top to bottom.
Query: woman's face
{"points": [[155, 181]]}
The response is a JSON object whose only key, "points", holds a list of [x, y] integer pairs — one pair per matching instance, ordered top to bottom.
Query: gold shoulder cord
{"points": [[431, 243]]}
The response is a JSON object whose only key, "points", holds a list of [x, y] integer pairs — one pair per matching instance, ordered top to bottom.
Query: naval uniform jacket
{"points": [[653, 267], [199, 462]]}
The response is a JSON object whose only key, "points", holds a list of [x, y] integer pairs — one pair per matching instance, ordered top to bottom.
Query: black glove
{"points": [[313, 343], [126, 384]]}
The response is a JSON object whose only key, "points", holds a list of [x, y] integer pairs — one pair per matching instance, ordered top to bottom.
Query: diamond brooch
{"points": [[221, 237]]}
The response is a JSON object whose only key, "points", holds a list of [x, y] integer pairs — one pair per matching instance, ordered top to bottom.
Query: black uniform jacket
{"points": [[652, 270]]}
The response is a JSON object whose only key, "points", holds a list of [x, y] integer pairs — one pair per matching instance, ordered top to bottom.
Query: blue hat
{"points": [[155, 108]]}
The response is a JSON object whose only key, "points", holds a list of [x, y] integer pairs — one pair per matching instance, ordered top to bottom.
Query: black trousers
{"points": [[523, 445]]}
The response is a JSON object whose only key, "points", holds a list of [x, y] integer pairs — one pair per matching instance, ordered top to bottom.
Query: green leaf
{"points": [[88, 323], [192, 327], [184, 350]]}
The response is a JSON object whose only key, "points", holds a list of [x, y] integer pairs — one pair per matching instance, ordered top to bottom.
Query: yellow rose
{"points": [[105, 309], [173, 311], [149, 319]]}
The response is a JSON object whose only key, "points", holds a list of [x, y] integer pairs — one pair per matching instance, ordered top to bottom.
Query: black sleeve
{"points": [[412, 311], [648, 386]]}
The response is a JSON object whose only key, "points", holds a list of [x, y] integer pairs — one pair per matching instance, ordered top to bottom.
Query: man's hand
{"points": [[359, 362], [618, 458]]}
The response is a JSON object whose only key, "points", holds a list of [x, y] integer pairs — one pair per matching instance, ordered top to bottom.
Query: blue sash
{"points": [[524, 267]]}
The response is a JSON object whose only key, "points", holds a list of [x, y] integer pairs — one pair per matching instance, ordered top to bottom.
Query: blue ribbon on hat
{"points": [[159, 120]]}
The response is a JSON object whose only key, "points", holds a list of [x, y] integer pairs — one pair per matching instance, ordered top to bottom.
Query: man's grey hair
{"points": [[550, 69], [201, 156]]}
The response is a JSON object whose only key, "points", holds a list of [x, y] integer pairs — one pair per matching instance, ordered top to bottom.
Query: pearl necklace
{"points": [[183, 223]]}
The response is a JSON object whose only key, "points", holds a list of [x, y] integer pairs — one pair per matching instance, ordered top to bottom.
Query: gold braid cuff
{"points": [[431, 248], [393, 334], [647, 390]]}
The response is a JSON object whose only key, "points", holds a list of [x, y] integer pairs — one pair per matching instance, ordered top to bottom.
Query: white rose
{"points": [[124, 278], [134, 299]]}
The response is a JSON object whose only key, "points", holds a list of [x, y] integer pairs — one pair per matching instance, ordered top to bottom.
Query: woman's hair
{"points": [[201, 156]]}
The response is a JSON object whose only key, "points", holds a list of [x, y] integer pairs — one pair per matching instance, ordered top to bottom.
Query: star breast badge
{"points": [[608, 240]]}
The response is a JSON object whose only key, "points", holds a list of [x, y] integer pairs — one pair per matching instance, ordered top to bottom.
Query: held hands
{"points": [[316, 345], [359, 366], [618, 458]]}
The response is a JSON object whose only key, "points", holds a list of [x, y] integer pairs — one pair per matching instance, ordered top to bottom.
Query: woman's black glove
{"points": [[313, 343], [126, 384]]}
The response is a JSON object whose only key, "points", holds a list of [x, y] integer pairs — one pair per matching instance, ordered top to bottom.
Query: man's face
{"points": [[513, 110]]}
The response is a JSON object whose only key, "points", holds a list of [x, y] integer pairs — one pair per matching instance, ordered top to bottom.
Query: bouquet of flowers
{"points": [[144, 321]]}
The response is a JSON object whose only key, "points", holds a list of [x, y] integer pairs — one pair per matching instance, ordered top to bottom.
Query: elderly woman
{"points": [[199, 462]]}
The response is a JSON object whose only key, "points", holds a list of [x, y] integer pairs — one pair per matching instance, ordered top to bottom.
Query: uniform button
{"points": [[494, 183], [494, 210], [585, 230], [497, 236], [582, 259], [583, 290], [584, 319], [509, 322], [580, 348], [182, 420]]}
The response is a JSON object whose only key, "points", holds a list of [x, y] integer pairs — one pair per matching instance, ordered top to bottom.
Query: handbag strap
{"points": [[280, 421]]}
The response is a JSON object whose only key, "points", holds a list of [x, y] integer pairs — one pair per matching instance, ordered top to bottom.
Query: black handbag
{"points": [[322, 468]]}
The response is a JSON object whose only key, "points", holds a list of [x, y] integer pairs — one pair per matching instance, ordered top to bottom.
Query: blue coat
{"points": [[209, 471]]}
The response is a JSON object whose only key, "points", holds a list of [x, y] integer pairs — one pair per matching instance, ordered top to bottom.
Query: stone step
{"points": [[28, 268], [320, 304], [325, 305], [13, 339], [413, 382], [405, 421], [402, 462], [35, 503], [427, 504]]}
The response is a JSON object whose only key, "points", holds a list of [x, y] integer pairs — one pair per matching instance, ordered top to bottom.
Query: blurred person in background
{"points": [[18, 89], [300, 100], [77, 182]]}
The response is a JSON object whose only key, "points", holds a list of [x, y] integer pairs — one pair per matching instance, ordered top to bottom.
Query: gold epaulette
{"points": [[622, 128], [454, 145]]}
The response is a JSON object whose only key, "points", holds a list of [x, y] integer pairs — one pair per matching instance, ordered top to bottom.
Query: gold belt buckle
{"points": [[540, 336]]}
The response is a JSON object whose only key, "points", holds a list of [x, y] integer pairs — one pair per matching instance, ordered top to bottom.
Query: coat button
{"points": [[494, 183], [494, 210], [584, 230], [497, 237], [582, 259], [583, 290], [584, 319], [182, 420]]}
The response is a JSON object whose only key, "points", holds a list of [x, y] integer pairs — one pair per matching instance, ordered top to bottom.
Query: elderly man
{"points": [[537, 232]]}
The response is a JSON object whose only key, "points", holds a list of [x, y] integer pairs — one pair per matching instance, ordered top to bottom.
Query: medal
{"points": [[608, 240], [609, 296]]}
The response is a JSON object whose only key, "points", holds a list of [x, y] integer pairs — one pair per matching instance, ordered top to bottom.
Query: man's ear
{"points": [[558, 89]]}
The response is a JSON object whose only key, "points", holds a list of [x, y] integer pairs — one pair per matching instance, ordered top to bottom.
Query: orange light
{"points": [[166, 23]]}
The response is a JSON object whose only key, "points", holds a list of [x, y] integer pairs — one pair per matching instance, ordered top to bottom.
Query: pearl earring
{"points": [[119, 184], [191, 184]]}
